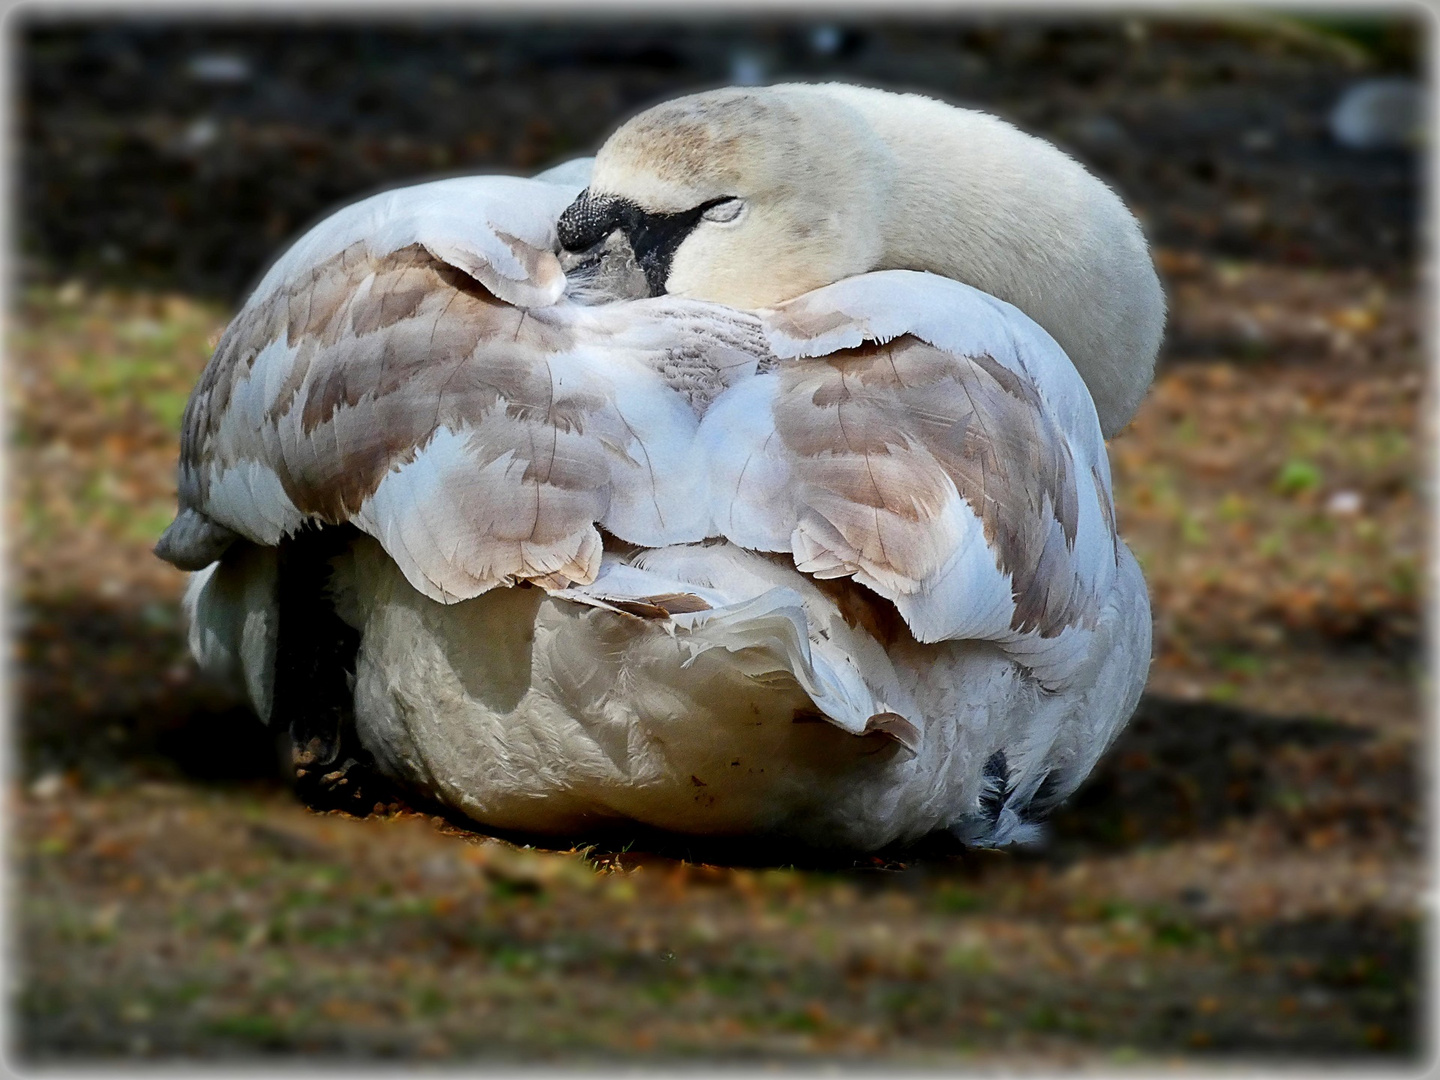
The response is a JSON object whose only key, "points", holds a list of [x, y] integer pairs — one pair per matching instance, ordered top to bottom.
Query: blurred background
{"points": [[1240, 879]]}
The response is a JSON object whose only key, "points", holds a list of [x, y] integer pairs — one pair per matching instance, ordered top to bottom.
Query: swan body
{"points": [[841, 566]]}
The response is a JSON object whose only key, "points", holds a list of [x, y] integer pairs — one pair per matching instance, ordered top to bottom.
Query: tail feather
{"points": [[233, 614]]}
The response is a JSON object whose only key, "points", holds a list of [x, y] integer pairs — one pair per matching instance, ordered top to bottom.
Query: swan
{"points": [[749, 478]]}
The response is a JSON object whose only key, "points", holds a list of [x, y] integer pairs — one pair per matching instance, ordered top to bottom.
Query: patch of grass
{"points": [[1297, 476], [1233, 507], [1192, 529], [1404, 577], [1244, 664], [504, 888], [953, 899], [1117, 911], [230, 924], [1177, 932], [328, 934], [516, 960], [969, 960], [726, 984], [185, 993], [662, 993], [40, 1001], [430, 1002], [1042, 1017], [1052, 1019], [798, 1020], [251, 1027]]}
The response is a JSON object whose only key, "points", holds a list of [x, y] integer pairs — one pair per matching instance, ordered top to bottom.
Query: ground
{"points": [[1240, 879]]}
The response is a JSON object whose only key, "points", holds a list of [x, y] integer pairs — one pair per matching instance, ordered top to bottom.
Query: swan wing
{"points": [[411, 367], [936, 445]]}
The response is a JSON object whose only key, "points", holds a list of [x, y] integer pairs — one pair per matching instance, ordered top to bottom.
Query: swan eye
{"points": [[722, 211]]}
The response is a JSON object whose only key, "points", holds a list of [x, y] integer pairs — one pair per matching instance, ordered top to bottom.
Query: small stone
{"points": [[219, 69], [1380, 114], [1345, 504], [48, 786], [1193, 896]]}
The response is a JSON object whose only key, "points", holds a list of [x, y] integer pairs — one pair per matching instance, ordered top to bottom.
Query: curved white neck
{"points": [[977, 200]]}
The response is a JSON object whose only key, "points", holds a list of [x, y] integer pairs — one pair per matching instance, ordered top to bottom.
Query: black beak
{"points": [[590, 218], [596, 254]]}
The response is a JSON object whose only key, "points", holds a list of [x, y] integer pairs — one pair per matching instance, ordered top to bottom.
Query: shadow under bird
{"points": [[747, 479]]}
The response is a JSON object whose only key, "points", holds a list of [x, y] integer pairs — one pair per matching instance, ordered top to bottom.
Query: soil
{"points": [[1239, 881]]}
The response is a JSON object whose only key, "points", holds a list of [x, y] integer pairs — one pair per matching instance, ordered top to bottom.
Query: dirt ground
{"points": [[1240, 880]]}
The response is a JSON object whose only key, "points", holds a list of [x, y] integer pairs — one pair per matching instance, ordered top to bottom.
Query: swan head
{"points": [[732, 196], [750, 196]]}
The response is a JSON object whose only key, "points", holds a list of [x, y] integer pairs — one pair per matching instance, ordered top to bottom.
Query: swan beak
{"points": [[620, 250], [596, 253], [604, 272]]}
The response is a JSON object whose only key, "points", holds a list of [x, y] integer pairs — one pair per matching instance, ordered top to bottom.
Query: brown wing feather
{"points": [[383, 352], [879, 434]]}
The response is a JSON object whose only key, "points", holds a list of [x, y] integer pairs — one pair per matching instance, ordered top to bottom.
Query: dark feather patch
{"points": [[995, 789]]}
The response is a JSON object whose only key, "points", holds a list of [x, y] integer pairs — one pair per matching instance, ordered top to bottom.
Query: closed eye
{"points": [[723, 210]]}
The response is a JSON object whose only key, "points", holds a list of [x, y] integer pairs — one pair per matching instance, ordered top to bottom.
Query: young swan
{"points": [[751, 196]]}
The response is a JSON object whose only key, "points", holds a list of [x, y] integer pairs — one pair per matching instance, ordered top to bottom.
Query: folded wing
{"points": [[405, 368], [936, 445]]}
